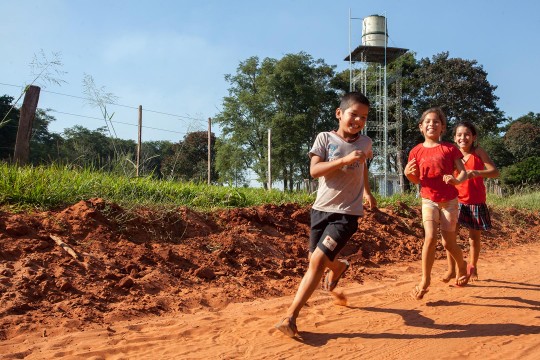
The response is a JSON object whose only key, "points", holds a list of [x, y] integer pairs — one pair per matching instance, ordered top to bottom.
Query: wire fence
{"points": [[185, 122], [189, 123]]}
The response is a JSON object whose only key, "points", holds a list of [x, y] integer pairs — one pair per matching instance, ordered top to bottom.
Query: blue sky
{"points": [[171, 56]]}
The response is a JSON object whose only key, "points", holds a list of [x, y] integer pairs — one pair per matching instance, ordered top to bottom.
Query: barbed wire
{"points": [[114, 121], [201, 121], [117, 122]]}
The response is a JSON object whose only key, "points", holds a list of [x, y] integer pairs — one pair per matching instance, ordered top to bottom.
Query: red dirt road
{"points": [[185, 285]]}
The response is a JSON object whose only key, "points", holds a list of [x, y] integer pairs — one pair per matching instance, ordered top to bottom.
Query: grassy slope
{"points": [[56, 186]]}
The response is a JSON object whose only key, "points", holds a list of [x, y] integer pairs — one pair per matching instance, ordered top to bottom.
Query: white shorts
{"points": [[443, 213]]}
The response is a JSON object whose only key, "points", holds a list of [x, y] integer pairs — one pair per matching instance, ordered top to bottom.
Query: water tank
{"points": [[374, 31]]}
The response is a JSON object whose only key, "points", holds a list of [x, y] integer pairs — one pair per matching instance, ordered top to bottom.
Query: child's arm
{"points": [[319, 168], [490, 170], [411, 172], [450, 179], [368, 196]]}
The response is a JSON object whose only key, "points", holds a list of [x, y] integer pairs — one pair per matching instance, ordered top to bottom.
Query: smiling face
{"points": [[352, 120], [432, 126], [464, 138]]}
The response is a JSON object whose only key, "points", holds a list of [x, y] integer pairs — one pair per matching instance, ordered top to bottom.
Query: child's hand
{"points": [[355, 156], [411, 168], [471, 174], [450, 179], [370, 201]]}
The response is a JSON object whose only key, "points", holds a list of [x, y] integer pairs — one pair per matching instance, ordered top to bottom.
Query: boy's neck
{"points": [[347, 136]]}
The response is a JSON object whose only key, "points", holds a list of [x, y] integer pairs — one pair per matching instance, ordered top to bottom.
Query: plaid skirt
{"points": [[474, 217]]}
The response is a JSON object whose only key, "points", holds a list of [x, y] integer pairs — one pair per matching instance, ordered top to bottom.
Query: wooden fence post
{"points": [[26, 119], [139, 141], [209, 152], [269, 159]]}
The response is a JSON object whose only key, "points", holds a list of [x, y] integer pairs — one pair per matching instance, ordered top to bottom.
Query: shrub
{"points": [[523, 174]]}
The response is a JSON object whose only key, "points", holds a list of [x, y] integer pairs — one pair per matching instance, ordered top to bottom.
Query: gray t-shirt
{"points": [[342, 190]]}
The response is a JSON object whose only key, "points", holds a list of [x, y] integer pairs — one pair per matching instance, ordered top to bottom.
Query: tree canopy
{"points": [[460, 87], [292, 97], [296, 97], [188, 159]]}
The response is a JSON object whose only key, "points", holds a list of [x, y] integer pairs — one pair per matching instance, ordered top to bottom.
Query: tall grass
{"points": [[47, 187], [526, 200]]}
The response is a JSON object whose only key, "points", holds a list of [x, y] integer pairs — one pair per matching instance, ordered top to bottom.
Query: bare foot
{"points": [[474, 273], [449, 275], [463, 279], [330, 282], [418, 292], [339, 298], [287, 325]]}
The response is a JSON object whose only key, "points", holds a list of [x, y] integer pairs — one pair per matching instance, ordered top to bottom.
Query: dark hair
{"points": [[353, 97], [437, 110], [471, 128]]}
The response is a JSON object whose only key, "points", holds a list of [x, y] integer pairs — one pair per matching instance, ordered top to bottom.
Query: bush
{"points": [[523, 174]]}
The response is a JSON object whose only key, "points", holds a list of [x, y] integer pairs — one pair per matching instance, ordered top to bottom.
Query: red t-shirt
{"points": [[433, 163], [472, 191]]}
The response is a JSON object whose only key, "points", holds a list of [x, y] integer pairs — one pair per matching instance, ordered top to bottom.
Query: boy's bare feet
{"points": [[330, 285], [339, 298], [287, 325]]}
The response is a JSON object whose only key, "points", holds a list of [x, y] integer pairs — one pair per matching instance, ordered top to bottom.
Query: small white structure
{"points": [[374, 31]]}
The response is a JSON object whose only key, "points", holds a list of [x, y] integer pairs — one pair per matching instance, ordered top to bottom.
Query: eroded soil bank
{"points": [[129, 264]]}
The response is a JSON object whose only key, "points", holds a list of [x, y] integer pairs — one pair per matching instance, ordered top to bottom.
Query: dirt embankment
{"points": [[129, 264]]}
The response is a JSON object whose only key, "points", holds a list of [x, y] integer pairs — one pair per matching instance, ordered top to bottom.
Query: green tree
{"points": [[460, 87], [294, 98], [305, 105], [246, 114], [530, 118], [8, 127], [522, 137], [43, 144], [495, 147], [87, 148], [94, 149], [152, 155], [189, 158], [231, 163], [522, 174]]}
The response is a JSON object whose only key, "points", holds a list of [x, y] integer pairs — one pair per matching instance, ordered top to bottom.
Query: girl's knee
{"points": [[430, 241], [447, 246]]}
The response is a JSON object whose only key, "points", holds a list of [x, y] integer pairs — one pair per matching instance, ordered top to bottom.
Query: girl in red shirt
{"points": [[431, 164], [473, 211]]}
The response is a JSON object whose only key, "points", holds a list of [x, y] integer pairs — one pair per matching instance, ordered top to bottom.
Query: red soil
{"points": [[140, 262]]}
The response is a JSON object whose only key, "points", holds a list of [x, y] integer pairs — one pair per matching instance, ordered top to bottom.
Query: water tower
{"points": [[369, 74]]}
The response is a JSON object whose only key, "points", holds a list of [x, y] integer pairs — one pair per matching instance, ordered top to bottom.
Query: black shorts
{"points": [[331, 231]]}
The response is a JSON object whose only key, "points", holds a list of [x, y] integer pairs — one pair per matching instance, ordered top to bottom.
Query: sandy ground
{"points": [[185, 285], [497, 317]]}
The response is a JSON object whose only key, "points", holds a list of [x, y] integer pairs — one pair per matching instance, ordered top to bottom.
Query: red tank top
{"points": [[472, 191]]}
